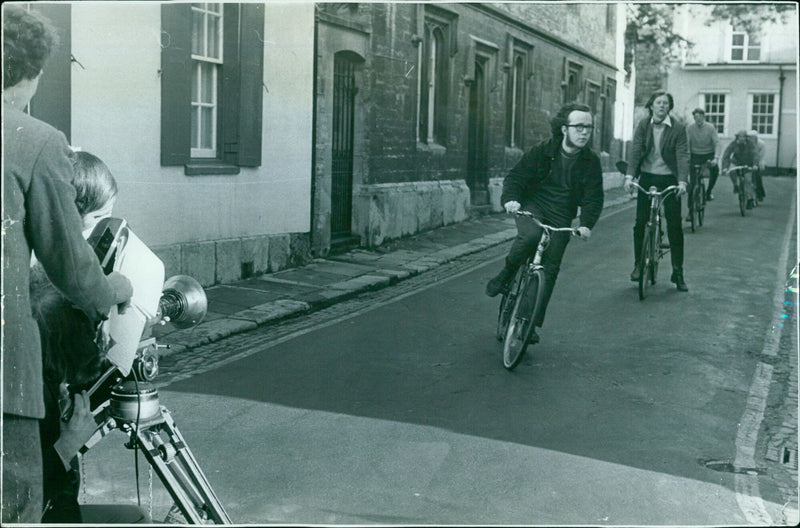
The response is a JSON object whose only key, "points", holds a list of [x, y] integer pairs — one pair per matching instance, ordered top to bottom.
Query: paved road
{"points": [[394, 408]]}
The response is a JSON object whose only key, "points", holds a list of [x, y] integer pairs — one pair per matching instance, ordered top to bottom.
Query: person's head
{"points": [[28, 41], [660, 105], [699, 116], [572, 126], [752, 135], [741, 136], [95, 189]]}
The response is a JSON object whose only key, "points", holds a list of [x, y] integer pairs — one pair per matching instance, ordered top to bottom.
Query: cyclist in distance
{"points": [[702, 138], [740, 151], [761, 151], [659, 157], [551, 181]]}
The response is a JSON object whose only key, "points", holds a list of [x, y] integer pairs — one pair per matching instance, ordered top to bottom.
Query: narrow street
{"points": [[394, 407]]}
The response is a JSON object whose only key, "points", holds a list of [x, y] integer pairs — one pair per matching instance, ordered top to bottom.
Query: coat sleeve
{"points": [[637, 149], [726, 156], [518, 177], [593, 196], [54, 230]]}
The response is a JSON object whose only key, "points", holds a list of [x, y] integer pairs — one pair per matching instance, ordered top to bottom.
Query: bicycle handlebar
{"points": [[740, 167], [666, 190], [572, 230]]}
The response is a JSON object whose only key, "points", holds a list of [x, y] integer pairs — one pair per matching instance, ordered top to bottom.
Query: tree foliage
{"points": [[751, 17]]}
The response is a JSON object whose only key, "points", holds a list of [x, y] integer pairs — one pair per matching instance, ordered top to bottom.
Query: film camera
{"points": [[124, 397]]}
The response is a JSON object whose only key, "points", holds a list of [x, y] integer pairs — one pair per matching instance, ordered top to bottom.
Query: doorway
{"points": [[477, 175]]}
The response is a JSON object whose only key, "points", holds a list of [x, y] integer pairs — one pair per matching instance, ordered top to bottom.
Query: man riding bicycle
{"points": [[702, 139], [741, 152], [551, 181]]}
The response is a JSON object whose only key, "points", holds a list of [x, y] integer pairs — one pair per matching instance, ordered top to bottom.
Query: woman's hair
{"points": [[28, 40], [655, 96], [562, 118], [94, 184]]}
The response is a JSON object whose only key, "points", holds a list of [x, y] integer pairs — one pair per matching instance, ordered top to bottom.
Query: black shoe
{"points": [[735, 189], [709, 197], [750, 204], [636, 274], [677, 278], [500, 283], [533, 338]]}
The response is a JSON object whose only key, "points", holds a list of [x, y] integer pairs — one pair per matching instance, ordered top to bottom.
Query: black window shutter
{"points": [[176, 76], [251, 85], [51, 103]]}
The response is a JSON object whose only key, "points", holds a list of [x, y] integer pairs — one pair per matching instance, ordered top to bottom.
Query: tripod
{"points": [[164, 448]]}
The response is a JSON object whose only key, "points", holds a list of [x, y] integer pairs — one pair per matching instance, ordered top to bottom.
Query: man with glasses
{"points": [[659, 157], [551, 181]]}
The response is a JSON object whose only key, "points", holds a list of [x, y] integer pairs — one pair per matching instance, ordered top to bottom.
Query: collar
{"points": [[667, 121]]}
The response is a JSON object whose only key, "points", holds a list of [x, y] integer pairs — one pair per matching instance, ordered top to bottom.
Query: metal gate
{"points": [[344, 92]]}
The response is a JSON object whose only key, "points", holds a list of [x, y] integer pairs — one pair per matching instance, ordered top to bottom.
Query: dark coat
{"points": [[674, 148], [535, 168], [39, 213]]}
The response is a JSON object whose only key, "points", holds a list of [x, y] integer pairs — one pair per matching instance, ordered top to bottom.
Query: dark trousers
{"points": [[713, 169], [758, 184], [672, 214], [528, 235], [22, 470]]}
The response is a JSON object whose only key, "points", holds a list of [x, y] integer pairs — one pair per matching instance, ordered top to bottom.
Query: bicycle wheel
{"points": [[742, 196], [701, 208], [648, 254], [507, 306], [520, 325]]}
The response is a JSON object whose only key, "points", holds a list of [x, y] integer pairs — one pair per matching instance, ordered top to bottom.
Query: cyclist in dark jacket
{"points": [[551, 181]]}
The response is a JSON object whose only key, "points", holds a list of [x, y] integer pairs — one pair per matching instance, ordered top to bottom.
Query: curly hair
{"points": [[28, 40], [656, 95], [562, 118], [94, 184]]}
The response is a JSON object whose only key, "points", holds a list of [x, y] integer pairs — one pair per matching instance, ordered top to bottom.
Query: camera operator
{"points": [[38, 214]]}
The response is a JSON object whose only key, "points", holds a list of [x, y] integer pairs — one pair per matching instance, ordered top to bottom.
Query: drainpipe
{"points": [[781, 78], [314, 132]]}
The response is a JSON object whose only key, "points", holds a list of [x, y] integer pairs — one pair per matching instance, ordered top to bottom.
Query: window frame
{"points": [[438, 27], [745, 48], [211, 61], [571, 67], [519, 69], [241, 87], [751, 96], [704, 104]]}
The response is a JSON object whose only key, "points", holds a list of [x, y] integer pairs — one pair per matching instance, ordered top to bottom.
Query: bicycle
{"points": [[744, 186], [696, 197], [653, 249], [522, 302]]}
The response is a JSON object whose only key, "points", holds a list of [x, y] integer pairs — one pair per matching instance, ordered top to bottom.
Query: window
{"points": [[437, 27], [207, 38], [744, 47], [571, 85], [211, 86], [433, 93], [516, 100], [715, 107], [762, 113], [607, 124]]}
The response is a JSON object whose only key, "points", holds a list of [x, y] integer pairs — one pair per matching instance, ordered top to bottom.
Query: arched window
{"points": [[433, 86]]}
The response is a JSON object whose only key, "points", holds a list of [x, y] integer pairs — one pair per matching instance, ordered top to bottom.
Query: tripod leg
{"points": [[178, 470]]}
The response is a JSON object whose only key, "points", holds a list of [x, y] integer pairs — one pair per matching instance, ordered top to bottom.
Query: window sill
{"points": [[433, 148], [209, 168]]}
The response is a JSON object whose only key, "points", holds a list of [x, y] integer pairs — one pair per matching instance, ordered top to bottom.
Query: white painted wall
{"points": [[116, 115]]}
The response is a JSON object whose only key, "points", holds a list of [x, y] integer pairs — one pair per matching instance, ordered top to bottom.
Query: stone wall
{"points": [[387, 211], [229, 260]]}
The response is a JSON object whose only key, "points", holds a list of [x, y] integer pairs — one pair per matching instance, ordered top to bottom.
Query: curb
{"points": [[281, 309]]}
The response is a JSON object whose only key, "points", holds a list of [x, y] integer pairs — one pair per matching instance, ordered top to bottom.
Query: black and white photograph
{"points": [[295, 263]]}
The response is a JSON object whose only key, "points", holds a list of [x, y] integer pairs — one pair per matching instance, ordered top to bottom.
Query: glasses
{"points": [[581, 128]]}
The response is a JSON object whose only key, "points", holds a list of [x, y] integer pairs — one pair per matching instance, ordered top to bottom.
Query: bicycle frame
{"points": [[746, 191], [652, 250], [519, 306]]}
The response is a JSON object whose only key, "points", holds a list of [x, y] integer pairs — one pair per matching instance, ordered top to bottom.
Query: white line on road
{"points": [[748, 495]]}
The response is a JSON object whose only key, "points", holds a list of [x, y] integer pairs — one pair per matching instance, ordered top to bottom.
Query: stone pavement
{"points": [[269, 298]]}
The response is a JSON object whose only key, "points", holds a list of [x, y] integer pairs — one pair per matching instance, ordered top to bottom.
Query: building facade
{"points": [[744, 81], [421, 109], [203, 112]]}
